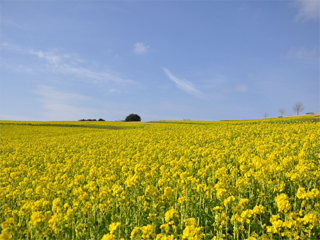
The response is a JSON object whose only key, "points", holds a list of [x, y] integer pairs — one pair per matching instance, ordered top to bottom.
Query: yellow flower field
{"points": [[249, 179]]}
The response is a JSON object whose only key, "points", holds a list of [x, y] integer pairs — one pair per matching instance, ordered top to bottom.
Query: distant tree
{"points": [[298, 107], [282, 111], [265, 115], [133, 118], [91, 119], [100, 119]]}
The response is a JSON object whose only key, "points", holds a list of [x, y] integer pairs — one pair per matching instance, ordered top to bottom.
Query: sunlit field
{"points": [[246, 179]]}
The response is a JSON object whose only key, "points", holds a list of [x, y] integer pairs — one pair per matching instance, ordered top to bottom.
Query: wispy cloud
{"points": [[87, 6], [244, 6], [308, 10], [14, 24], [12, 47], [140, 48], [302, 53], [50, 57], [68, 64], [17, 68], [85, 72], [182, 84], [239, 88], [242, 88], [52, 93], [58, 104], [61, 105], [17, 117]]}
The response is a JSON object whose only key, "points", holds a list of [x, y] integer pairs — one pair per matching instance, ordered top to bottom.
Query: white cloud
{"points": [[308, 10], [140, 48], [304, 53], [50, 57], [61, 63], [184, 85]]}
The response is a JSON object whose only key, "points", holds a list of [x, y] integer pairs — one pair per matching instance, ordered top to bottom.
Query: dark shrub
{"points": [[133, 118]]}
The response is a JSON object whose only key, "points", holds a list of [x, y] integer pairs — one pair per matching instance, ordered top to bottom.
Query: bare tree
{"points": [[298, 107], [282, 111], [265, 115]]}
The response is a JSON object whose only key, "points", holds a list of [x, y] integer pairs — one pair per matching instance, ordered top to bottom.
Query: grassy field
{"points": [[240, 179]]}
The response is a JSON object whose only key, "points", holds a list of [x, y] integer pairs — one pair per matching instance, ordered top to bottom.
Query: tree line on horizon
{"points": [[297, 107], [130, 118]]}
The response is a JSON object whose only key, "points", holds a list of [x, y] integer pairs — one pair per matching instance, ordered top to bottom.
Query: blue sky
{"points": [[164, 60]]}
